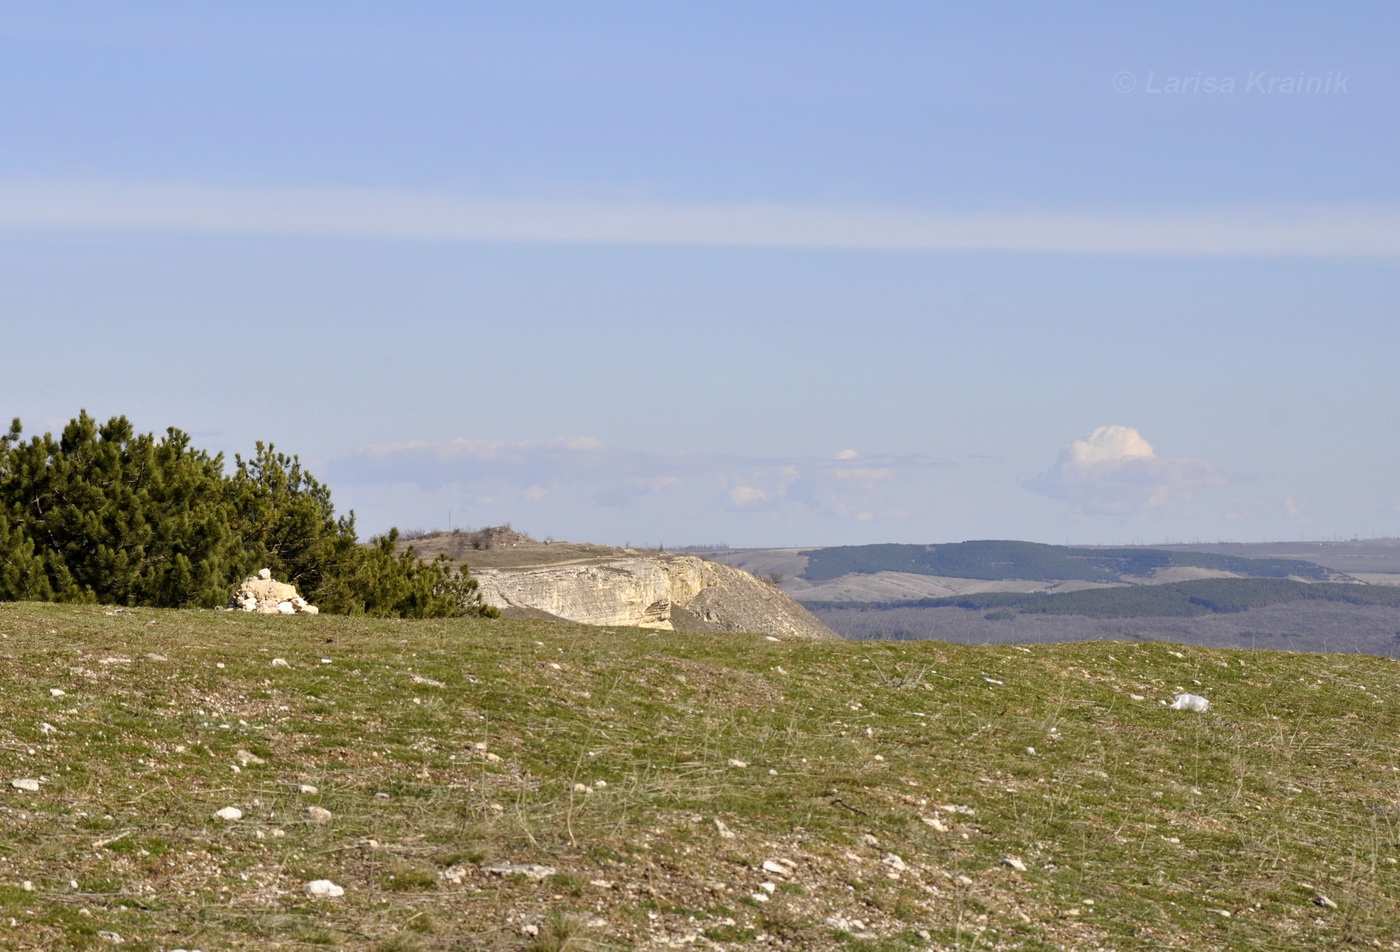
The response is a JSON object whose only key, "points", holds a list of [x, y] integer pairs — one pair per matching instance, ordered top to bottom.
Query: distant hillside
{"points": [[994, 560], [1179, 599]]}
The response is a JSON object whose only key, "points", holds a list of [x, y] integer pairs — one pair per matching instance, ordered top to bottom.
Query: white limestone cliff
{"points": [[668, 592]]}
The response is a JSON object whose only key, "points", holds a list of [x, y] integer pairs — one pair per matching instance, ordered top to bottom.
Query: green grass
{"points": [[1138, 826]]}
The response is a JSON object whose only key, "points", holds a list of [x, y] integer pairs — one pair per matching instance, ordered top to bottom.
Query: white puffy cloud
{"points": [[1114, 470]]}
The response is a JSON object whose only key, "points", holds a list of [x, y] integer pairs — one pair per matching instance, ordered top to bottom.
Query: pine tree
{"points": [[104, 514]]}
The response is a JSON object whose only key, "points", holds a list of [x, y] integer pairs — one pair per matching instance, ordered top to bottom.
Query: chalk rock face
{"points": [[667, 592], [265, 595]]}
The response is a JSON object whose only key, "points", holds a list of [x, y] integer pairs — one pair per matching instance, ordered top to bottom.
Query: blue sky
{"points": [[763, 274]]}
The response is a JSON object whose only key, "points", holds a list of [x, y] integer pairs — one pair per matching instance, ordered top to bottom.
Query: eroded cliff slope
{"points": [[599, 585]]}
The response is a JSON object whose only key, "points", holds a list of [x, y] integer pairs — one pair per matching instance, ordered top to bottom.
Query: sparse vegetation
{"points": [[443, 748]]}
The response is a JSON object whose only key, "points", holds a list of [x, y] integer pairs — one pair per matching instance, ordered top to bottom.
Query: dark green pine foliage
{"points": [[104, 514], [119, 518], [285, 520]]}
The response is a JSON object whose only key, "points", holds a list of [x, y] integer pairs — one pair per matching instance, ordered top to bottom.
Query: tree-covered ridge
{"points": [[104, 514], [994, 560], [1178, 599]]}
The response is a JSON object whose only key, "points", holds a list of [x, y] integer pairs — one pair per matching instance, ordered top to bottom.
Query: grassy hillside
{"points": [[1033, 560], [887, 786]]}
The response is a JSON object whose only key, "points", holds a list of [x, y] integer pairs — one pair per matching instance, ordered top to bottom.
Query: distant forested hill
{"points": [[995, 560], [1176, 600]]}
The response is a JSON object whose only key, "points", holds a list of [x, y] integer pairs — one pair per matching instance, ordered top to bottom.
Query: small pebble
{"points": [[56, 692], [25, 783], [307, 789], [229, 813], [317, 814], [324, 889]]}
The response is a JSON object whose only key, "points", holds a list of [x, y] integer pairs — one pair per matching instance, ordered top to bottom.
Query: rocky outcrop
{"points": [[669, 592], [265, 595]]}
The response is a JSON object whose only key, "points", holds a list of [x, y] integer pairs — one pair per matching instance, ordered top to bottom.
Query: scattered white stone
{"points": [[264, 574], [286, 608], [770, 638], [1176, 654], [325, 660], [281, 663], [418, 679], [992, 680], [57, 692], [1137, 697], [1189, 702], [46, 728], [1031, 751], [246, 757], [735, 762], [25, 783], [600, 784], [306, 788], [580, 788], [955, 808], [229, 813], [317, 814], [934, 822], [725, 833], [867, 839], [895, 862], [1015, 863], [783, 869], [532, 871], [453, 874], [964, 881], [27, 886], [769, 888], [324, 889], [759, 897], [1324, 902], [1223, 913], [530, 929], [112, 937]]}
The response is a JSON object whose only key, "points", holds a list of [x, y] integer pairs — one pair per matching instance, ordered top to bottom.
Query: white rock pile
{"points": [[265, 595]]}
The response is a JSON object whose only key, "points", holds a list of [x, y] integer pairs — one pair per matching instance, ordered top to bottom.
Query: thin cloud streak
{"points": [[1324, 231]]}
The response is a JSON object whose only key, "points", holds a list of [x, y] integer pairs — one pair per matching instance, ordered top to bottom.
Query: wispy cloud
{"points": [[399, 214], [1114, 470], [595, 474]]}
